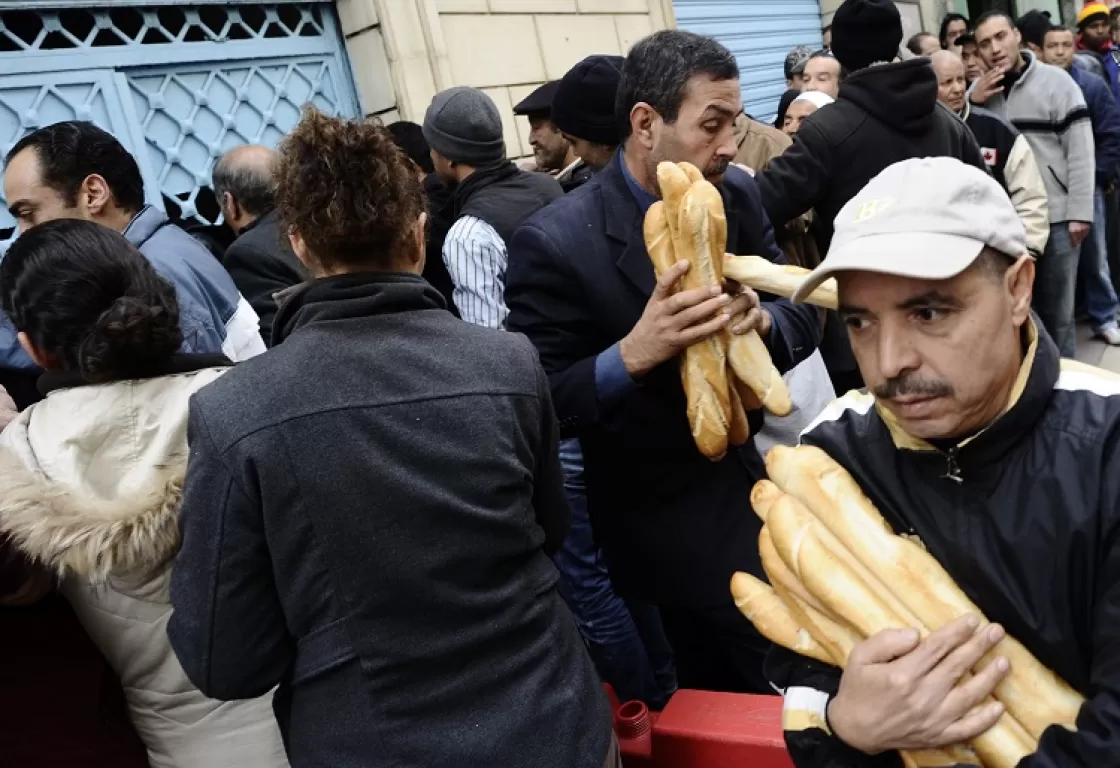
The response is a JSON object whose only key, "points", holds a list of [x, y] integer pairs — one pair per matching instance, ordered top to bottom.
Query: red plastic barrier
{"points": [[702, 729]]}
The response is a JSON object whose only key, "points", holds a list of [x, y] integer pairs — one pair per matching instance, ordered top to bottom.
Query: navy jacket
{"points": [[1105, 116], [673, 524]]}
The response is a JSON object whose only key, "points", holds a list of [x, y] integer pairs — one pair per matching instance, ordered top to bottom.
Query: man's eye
{"points": [[711, 127], [929, 315], [856, 323]]}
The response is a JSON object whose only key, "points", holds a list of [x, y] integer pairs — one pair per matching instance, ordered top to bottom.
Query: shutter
{"points": [[760, 33]]}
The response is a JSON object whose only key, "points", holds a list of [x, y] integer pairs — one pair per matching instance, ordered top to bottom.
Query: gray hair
{"points": [[252, 185]]}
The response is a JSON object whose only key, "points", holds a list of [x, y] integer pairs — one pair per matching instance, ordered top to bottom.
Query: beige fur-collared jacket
{"points": [[90, 485]]}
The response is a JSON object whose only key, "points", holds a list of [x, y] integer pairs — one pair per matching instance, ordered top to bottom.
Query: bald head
{"points": [[951, 83], [244, 183]]}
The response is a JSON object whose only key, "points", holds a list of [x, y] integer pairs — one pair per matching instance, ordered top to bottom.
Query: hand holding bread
{"points": [[723, 373], [923, 669]]}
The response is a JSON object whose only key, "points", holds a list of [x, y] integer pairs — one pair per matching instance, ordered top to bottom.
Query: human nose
{"points": [[897, 354]]}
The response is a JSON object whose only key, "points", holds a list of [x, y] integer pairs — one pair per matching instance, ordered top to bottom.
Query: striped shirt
{"points": [[476, 259]]}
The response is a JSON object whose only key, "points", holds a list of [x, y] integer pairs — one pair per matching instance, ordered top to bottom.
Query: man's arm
{"points": [[1106, 135], [1077, 142], [795, 180], [1028, 193], [476, 260], [259, 276], [228, 628]]}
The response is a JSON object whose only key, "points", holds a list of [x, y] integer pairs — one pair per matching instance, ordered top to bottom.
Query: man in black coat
{"points": [[885, 113], [260, 260], [674, 525]]}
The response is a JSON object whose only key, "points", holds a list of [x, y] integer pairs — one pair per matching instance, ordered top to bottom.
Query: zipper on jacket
{"points": [[953, 471]]}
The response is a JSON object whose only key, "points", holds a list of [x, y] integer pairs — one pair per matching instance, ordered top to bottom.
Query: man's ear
{"points": [[643, 117], [95, 196], [230, 207], [421, 234], [1019, 281], [41, 360]]}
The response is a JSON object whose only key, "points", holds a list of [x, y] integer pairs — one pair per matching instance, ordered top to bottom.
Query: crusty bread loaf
{"points": [[779, 279], [752, 364], [738, 429], [758, 602], [1032, 693]]}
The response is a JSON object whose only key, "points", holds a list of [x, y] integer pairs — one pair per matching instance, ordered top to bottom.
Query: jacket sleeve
{"points": [[1106, 135], [1077, 143], [796, 179], [1028, 193], [476, 260], [259, 276], [543, 294], [550, 502], [228, 628], [807, 687], [1097, 739]]}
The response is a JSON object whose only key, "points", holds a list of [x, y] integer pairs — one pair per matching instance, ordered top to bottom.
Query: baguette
{"points": [[778, 279], [752, 364], [704, 365], [739, 429], [763, 497], [780, 575], [770, 616], [1032, 693], [1002, 746]]}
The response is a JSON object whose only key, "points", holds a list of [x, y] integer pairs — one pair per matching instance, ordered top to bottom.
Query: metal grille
{"points": [[86, 28], [177, 85], [190, 117]]}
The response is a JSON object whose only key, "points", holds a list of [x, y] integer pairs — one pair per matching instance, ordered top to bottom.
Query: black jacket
{"points": [[885, 114], [504, 196], [440, 219], [261, 263], [1025, 517], [365, 522], [672, 522]]}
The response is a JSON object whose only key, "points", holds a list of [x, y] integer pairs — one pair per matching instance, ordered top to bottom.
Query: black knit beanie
{"points": [[865, 32], [583, 106]]}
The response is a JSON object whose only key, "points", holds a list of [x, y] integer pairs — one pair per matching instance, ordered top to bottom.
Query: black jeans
{"points": [[716, 649]]}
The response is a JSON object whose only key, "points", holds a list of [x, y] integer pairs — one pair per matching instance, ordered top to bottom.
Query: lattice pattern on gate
{"points": [[99, 28], [190, 116]]}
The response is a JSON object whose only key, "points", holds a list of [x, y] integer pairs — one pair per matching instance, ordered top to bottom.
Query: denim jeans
{"points": [[1094, 279], [1055, 288], [625, 638]]}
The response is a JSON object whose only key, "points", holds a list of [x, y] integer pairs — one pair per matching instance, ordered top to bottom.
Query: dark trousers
{"points": [[716, 649]]}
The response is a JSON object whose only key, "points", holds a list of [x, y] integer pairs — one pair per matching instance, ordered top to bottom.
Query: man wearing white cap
{"points": [[976, 438]]}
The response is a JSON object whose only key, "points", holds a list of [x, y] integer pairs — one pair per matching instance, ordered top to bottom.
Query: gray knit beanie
{"points": [[463, 125]]}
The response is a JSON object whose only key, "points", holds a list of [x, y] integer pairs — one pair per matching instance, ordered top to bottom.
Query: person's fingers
{"points": [[668, 280], [732, 287], [679, 302], [743, 303], [700, 313], [747, 323], [696, 333], [940, 644], [885, 646], [969, 654], [966, 696], [976, 722]]}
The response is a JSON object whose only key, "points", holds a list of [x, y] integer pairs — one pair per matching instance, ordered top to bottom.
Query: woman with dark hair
{"points": [[953, 26], [93, 475], [370, 507]]}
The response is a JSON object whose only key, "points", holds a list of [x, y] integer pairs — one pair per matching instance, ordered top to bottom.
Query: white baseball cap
{"points": [[926, 218]]}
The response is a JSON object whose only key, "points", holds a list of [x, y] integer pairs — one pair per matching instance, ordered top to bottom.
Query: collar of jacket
{"points": [[902, 95], [482, 177], [270, 213], [144, 224], [354, 295], [52, 381], [1032, 390]]}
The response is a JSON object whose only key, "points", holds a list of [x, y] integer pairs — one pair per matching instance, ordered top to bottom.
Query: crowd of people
{"points": [[405, 474]]}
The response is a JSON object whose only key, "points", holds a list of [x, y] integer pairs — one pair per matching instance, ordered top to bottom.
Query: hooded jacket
{"points": [[1046, 106], [884, 114], [1011, 162], [93, 480], [1024, 517], [365, 522]]}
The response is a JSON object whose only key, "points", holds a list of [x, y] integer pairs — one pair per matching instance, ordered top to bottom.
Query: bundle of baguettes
{"points": [[725, 375], [838, 575]]}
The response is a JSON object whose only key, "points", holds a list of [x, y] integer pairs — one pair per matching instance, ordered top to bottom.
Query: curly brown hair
{"points": [[349, 192]]}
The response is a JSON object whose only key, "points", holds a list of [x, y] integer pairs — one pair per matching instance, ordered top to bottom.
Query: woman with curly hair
{"points": [[93, 475], [370, 507]]}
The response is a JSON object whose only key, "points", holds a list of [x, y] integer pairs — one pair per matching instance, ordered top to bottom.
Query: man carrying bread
{"points": [[977, 440], [674, 524]]}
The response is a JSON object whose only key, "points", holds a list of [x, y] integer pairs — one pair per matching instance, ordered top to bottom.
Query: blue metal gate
{"points": [[760, 33], [176, 84]]}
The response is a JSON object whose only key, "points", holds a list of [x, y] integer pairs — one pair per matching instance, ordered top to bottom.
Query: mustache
{"points": [[718, 168], [911, 384]]}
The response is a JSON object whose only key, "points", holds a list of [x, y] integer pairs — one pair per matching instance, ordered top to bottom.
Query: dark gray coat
{"points": [[365, 523]]}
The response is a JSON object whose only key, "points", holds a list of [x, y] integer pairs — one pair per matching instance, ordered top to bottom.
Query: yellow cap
{"points": [[1090, 10]]}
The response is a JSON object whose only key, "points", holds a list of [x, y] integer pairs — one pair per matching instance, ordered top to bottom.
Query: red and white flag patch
{"points": [[991, 156]]}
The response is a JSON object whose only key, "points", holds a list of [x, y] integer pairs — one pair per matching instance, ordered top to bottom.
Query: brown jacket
{"points": [[758, 143]]}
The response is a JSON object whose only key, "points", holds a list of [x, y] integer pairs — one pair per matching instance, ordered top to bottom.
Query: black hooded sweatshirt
{"points": [[884, 115]]}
